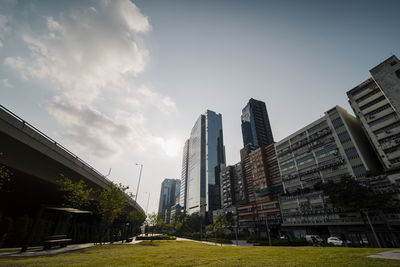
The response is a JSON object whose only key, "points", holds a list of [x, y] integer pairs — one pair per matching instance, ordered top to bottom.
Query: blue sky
{"points": [[120, 82]]}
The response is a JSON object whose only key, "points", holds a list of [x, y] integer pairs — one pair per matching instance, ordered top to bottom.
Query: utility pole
{"points": [[140, 175], [148, 198], [372, 227], [269, 237]]}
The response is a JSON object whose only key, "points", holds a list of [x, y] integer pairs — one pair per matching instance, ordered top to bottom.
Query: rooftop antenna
{"points": [[109, 171]]}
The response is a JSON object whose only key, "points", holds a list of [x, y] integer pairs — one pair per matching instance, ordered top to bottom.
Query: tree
{"points": [[5, 174], [76, 194], [350, 195], [112, 203], [135, 219], [152, 222], [220, 225]]}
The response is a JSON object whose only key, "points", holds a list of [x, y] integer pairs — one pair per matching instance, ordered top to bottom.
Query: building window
{"points": [[393, 63], [373, 92], [373, 102], [384, 118], [337, 122], [344, 137], [351, 153], [359, 170]]}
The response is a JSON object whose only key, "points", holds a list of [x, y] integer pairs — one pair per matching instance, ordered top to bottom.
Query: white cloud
{"points": [[87, 55], [6, 83], [163, 103]]}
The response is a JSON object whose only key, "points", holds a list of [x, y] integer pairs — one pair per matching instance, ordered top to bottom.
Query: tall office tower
{"points": [[376, 102], [256, 129], [328, 149], [206, 159], [184, 176], [263, 185], [232, 186], [168, 196]]}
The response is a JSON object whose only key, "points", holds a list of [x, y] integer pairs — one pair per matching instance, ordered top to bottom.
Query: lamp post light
{"points": [[140, 175], [148, 198]]}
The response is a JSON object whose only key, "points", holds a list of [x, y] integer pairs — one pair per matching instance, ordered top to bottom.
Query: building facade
{"points": [[376, 103], [256, 128], [328, 149], [205, 161], [184, 176], [232, 186], [263, 186], [169, 192]]}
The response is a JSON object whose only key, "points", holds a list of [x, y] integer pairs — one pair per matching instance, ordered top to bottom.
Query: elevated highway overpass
{"points": [[36, 162]]}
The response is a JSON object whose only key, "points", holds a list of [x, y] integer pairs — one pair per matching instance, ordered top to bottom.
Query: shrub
{"points": [[156, 237], [279, 242]]}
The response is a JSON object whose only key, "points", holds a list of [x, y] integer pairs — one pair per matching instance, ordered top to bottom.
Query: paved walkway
{"points": [[240, 242], [38, 251], [392, 255]]}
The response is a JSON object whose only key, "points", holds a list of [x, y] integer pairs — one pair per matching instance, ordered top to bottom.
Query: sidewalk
{"points": [[241, 243], [38, 251], [392, 255]]}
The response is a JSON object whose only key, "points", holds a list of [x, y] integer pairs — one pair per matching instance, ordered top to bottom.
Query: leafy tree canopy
{"points": [[5, 174], [76, 194], [350, 195]]}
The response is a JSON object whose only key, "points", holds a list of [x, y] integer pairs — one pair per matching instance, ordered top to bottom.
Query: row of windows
{"points": [[362, 88], [373, 92], [373, 102], [378, 110], [384, 118], [337, 122], [316, 126], [387, 128], [297, 137], [344, 137], [390, 138], [282, 145], [323, 149], [392, 149], [327, 153], [351, 153], [304, 155], [307, 160], [396, 160], [287, 166], [359, 170]]}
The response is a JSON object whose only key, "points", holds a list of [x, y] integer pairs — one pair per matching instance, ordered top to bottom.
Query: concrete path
{"points": [[240, 242], [38, 251], [41, 252], [392, 255]]}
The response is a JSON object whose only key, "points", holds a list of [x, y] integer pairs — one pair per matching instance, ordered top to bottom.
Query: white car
{"points": [[335, 241]]}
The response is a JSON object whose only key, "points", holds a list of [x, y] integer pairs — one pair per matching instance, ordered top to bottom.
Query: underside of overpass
{"points": [[36, 163]]}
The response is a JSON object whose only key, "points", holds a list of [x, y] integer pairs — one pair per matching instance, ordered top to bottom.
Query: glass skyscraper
{"points": [[256, 129], [206, 158], [184, 175], [169, 193]]}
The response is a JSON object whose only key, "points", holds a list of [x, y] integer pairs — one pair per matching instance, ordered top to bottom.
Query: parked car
{"points": [[314, 239], [335, 241]]}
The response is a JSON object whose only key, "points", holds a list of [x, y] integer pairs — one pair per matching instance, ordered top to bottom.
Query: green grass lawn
{"points": [[180, 253]]}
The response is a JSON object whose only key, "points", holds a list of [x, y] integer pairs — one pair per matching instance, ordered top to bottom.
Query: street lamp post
{"points": [[140, 175], [148, 198], [269, 237]]}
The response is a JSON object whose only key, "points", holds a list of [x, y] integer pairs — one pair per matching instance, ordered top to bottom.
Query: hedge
{"points": [[156, 237]]}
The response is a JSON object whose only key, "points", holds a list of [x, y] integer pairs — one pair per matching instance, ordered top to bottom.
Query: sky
{"points": [[121, 82]]}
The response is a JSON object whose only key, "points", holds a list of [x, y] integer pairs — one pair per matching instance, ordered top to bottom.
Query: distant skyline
{"points": [[120, 82]]}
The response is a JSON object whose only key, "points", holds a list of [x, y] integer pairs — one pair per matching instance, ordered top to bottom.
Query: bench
{"points": [[56, 240]]}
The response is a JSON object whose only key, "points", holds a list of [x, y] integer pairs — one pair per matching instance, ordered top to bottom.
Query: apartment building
{"points": [[330, 148]]}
